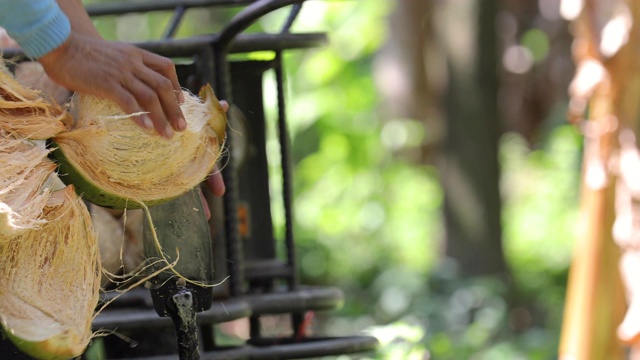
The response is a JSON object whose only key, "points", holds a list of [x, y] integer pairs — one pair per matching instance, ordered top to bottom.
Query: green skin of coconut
{"points": [[90, 191], [58, 347]]}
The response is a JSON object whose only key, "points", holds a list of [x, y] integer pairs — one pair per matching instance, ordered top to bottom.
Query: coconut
{"points": [[25, 113], [114, 163], [23, 190], [49, 273], [49, 281]]}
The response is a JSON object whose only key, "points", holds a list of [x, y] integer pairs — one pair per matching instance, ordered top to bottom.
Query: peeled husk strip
{"points": [[24, 113], [114, 157], [23, 190], [111, 239], [120, 243], [49, 281]]}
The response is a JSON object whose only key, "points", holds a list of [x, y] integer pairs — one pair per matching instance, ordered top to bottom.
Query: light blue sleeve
{"points": [[39, 26]]}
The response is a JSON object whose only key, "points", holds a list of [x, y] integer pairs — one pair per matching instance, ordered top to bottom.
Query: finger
{"points": [[165, 67], [164, 92], [148, 100], [127, 102], [225, 105], [215, 183]]}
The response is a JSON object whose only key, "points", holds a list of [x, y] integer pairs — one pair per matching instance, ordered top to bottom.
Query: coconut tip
{"points": [[217, 118]]}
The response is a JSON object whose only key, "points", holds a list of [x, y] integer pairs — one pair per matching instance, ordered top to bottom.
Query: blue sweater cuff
{"points": [[39, 26]]}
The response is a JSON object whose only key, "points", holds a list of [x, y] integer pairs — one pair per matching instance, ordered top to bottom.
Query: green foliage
{"points": [[537, 42], [351, 194], [369, 222]]}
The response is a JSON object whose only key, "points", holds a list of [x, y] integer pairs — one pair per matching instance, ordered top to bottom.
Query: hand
{"points": [[135, 79]]}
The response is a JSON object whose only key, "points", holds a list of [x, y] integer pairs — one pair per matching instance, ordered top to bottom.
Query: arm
{"points": [[78, 17], [62, 38], [135, 79]]}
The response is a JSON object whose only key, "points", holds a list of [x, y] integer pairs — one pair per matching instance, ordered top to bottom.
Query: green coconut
{"points": [[112, 162]]}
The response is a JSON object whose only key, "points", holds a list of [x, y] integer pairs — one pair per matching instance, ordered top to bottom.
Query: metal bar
{"points": [[157, 5], [295, 10], [248, 16], [174, 23], [273, 42], [244, 43], [285, 155], [234, 243], [314, 298], [145, 318], [184, 319], [255, 329], [208, 337], [278, 349]]}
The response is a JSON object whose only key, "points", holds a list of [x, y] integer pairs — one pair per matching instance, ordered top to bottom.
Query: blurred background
{"points": [[436, 177]]}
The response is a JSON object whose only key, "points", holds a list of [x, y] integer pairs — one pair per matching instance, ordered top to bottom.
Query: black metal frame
{"points": [[253, 270]]}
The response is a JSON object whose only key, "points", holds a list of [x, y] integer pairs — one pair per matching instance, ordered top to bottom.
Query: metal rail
{"points": [[122, 8], [248, 16]]}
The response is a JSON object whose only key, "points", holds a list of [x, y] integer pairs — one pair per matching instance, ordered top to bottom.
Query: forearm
{"points": [[78, 17]]}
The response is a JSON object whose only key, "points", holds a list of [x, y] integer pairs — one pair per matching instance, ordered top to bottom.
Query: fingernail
{"points": [[146, 122], [182, 124], [168, 131]]}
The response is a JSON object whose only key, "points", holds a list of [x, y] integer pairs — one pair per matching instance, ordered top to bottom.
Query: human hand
{"points": [[135, 79]]}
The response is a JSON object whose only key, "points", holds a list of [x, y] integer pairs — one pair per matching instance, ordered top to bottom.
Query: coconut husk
{"points": [[25, 113], [112, 158], [23, 193], [120, 242], [49, 281]]}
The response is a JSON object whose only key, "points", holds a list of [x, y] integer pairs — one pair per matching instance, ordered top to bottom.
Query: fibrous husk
{"points": [[25, 113], [114, 163], [25, 170], [119, 240], [110, 241], [49, 267], [49, 281]]}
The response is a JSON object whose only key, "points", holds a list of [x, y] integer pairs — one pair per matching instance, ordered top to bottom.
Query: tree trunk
{"points": [[469, 169], [605, 263]]}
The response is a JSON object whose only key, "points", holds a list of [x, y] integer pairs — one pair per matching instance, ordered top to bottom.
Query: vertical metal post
{"points": [[174, 23], [287, 188], [234, 245]]}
